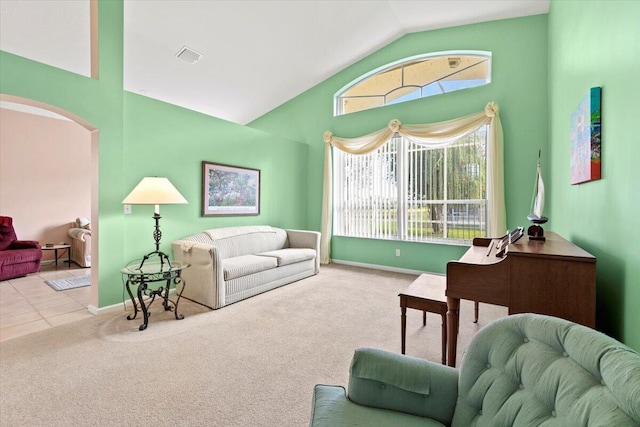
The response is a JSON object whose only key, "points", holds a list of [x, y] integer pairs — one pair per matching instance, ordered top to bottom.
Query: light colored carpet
{"points": [[71, 282], [253, 363]]}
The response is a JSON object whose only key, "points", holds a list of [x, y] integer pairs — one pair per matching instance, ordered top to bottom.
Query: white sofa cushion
{"points": [[83, 222], [224, 233], [247, 240], [290, 255], [246, 264]]}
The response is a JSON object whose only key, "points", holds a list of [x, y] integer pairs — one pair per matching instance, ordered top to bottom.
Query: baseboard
{"points": [[383, 267], [126, 305], [121, 306], [108, 309]]}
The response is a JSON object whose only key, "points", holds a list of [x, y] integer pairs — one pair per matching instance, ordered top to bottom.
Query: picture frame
{"points": [[586, 138], [230, 190]]}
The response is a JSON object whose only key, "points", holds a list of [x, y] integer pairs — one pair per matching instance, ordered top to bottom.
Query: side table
{"points": [[55, 249], [149, 273]]}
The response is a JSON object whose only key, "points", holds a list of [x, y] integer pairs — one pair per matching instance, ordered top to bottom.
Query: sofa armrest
{"points": [[79, 234], [306, 239], [24, 244], [204, 279], [392, 381], [329, 405], [331, 408]]}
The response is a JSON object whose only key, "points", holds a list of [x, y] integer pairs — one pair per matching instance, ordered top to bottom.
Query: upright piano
{"points": [[553, 277]]}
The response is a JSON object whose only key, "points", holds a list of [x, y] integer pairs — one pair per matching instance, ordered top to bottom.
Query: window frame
{"points": [[337, 107], [404, 202]]}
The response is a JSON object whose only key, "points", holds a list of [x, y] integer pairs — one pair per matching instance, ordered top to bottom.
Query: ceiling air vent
{"points": [[189, 55]]}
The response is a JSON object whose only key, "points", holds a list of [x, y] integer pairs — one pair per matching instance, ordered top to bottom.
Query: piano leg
{"points": [[476, 309], [453, 323], [403, 327]]}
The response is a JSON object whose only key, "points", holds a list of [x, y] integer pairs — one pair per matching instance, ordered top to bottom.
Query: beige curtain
{"points": [[435, 135]]}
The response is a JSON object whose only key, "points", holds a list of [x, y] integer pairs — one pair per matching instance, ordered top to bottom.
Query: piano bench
{"points": [[426, 293]]}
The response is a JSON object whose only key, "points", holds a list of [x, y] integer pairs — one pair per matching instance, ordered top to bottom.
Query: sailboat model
{"points": [[535, 231]]}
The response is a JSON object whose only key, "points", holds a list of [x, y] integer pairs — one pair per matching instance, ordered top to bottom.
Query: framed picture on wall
{"points": [[586, 142], [230, 190]]}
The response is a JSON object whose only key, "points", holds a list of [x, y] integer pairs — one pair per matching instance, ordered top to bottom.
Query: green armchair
{"points": [[521, 370]]}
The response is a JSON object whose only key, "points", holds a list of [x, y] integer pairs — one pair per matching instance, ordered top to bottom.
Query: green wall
{"points": [[597, 43], [519, 82], [100, 102], [141, 136], [165, 140]]}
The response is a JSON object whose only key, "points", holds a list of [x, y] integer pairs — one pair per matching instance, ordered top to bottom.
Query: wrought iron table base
{"points": [[163, 292]]}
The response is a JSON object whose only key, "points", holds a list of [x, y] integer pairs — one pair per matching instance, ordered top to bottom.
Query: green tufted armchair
{"points": [[521, 370]]}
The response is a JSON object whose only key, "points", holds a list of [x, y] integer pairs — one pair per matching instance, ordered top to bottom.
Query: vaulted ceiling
{"points": [[256, 55]]}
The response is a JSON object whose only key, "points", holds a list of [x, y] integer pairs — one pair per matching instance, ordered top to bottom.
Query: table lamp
{"points": [[155, 191]]}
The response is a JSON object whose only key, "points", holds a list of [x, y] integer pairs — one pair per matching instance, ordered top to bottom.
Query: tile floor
{"points": [[27, 304]]}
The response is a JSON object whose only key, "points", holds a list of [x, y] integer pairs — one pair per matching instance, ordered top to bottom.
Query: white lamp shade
{"points": [[154, 191]]}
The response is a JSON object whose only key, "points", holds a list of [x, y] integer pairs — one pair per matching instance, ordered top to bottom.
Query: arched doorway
{"points": [[94, 138]]}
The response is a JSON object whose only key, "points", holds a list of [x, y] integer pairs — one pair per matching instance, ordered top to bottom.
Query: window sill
{"points": [[447, 242]]}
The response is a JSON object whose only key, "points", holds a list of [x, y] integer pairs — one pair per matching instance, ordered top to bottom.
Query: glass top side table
{"points": [[154, 272]]}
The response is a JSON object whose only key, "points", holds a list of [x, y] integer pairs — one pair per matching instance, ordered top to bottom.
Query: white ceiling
{"points": [[52, 32], [256, 54]]}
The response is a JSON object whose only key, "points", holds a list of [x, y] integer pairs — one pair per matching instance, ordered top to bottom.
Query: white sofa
{"points": [[80, 233], [230, 264]]}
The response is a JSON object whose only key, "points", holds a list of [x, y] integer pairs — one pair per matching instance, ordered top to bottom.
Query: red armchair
{"points": [[17, 257]]}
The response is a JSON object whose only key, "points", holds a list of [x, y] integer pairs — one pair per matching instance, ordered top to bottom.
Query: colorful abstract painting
{"points": [[586, 138]]}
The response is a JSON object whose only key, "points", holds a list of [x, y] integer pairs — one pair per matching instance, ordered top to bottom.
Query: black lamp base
{"points": [[535, 231], [157, 235], [164, 259]]}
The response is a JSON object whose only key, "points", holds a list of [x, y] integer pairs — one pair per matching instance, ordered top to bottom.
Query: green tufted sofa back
{"points": [[533, 370]]}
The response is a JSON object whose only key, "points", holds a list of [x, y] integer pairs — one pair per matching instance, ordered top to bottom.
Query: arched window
{"points": [[415, 77]]}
